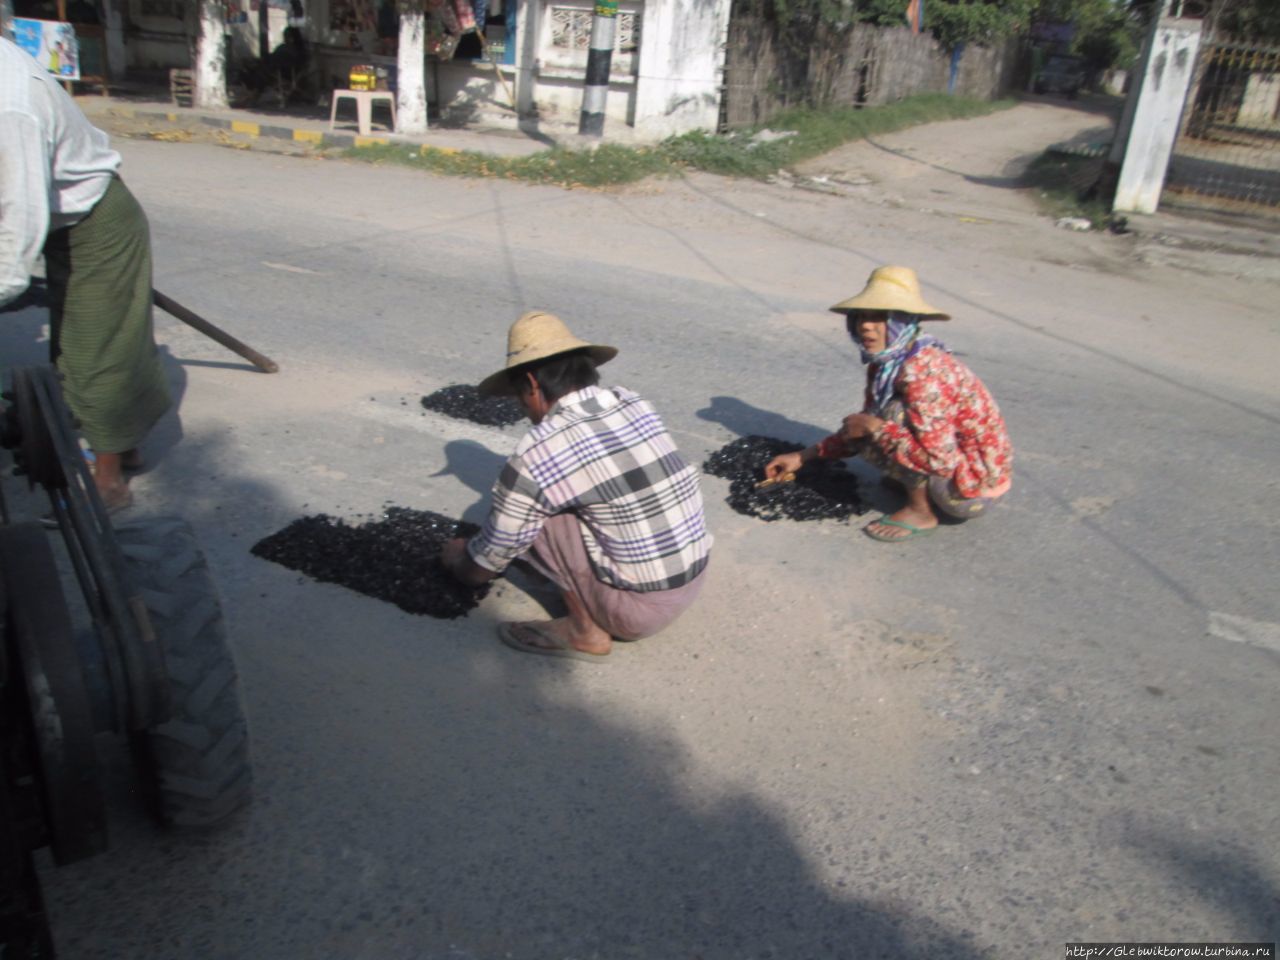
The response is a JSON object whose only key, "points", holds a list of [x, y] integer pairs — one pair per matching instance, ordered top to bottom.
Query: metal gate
{"points": [[1227, 154]]}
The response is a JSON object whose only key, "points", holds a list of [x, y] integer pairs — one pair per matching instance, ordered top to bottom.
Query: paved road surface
{"points": [[1056, 724]]}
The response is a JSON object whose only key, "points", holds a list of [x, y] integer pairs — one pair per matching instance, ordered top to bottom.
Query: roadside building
{"points": [[480, 55]]}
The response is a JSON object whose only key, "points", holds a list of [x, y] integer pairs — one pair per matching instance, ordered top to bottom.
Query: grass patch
{"points": [[740, 154], [745, 154], [607, 165], [1068, 186]]}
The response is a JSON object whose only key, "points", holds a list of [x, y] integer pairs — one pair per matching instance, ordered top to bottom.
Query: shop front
{"points": [[492, 61]]}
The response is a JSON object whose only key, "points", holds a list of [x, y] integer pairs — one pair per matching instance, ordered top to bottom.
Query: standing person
{"points": [[60, 192], [928, 422], [596, 494]]}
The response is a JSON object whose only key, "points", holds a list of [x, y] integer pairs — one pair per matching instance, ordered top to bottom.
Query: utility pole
{"points": [[264, 31], [595, 91]]}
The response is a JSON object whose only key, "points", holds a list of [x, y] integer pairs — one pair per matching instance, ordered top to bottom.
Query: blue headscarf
{"points": [[903, 341]]}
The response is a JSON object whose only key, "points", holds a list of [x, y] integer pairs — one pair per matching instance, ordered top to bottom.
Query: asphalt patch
{"points": [[464, 402], [822, 490], [396, 559]]}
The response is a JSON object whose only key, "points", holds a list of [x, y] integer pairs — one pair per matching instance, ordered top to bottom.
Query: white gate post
{"points": [[1157, 115]]}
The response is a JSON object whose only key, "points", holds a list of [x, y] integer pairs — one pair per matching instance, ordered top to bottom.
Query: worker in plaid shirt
{"points": [[596, 498]]}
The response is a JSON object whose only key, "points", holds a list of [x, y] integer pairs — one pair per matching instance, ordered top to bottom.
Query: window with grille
{"points": [[571, 30]]}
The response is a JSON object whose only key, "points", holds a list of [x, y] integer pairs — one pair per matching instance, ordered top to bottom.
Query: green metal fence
{"points": [[1228, 150]]}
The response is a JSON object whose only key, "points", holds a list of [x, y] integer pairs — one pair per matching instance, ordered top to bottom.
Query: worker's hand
{"points": [[859, 425], [783, 463], [453, 555], [458, 562]]}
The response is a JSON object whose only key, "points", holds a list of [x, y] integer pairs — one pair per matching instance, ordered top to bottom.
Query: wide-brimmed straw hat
{"points": [[892, 288], [538, 335]]}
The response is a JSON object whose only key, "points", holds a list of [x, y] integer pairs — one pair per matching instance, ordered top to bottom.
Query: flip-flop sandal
{"points": [[912, 532], [507, 634]]}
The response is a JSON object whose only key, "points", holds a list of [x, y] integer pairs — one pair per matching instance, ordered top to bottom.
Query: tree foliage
{"points": [[1251, 20], [954, 22], [1107, 32]]}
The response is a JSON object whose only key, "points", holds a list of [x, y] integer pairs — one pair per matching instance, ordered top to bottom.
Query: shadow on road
{"points": [[744, 419], [477, 467], [423, 792], [1226, 875]]}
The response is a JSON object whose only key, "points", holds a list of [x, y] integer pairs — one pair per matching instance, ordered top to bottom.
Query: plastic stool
{"points": [[365, 99]]}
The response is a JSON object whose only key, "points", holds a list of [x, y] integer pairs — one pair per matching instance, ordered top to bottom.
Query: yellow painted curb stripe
{"points": [[245, 126], [310, 136], [371, 141], [447, 151]]}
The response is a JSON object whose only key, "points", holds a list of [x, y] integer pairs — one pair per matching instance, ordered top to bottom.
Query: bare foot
{"points": [[108, 477], [115, 496], [566, 632]]}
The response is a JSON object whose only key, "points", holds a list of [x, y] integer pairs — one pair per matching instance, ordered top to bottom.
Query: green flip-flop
{"points": [[912, 532]]}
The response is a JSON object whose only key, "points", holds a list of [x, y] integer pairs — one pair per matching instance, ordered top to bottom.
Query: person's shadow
{"points": [[746, 420], [477, 467]]}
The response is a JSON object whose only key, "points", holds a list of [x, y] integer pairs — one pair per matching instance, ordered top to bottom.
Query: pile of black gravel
{"points": [[463, 402], [822, 490], [396, 559]]}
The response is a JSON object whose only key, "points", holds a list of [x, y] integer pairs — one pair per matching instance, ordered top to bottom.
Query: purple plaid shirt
{"points": [[603, 455]]}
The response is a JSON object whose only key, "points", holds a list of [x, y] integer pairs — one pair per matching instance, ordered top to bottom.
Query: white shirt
{"points": [[54, 164]]}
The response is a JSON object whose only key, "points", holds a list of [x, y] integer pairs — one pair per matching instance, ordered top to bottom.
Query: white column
{"points": [[682, 44], [211, 57], [411, 80], [1157, 114]]}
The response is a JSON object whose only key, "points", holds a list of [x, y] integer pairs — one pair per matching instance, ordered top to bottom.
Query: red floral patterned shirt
{"points": [[953, 427]]}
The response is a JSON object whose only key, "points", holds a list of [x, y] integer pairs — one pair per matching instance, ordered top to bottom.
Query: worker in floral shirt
{"points": [[927, 421]]}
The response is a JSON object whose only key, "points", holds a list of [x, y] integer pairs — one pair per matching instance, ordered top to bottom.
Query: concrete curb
{"points": [[254, 129], [313, 130]]}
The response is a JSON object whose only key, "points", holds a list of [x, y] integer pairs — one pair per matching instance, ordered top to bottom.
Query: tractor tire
{"points": [[198, 759]]}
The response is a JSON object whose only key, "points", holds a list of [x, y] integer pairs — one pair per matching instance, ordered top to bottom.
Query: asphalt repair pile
{"points": [[464, 402], [822, 490], [396, 559]]}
